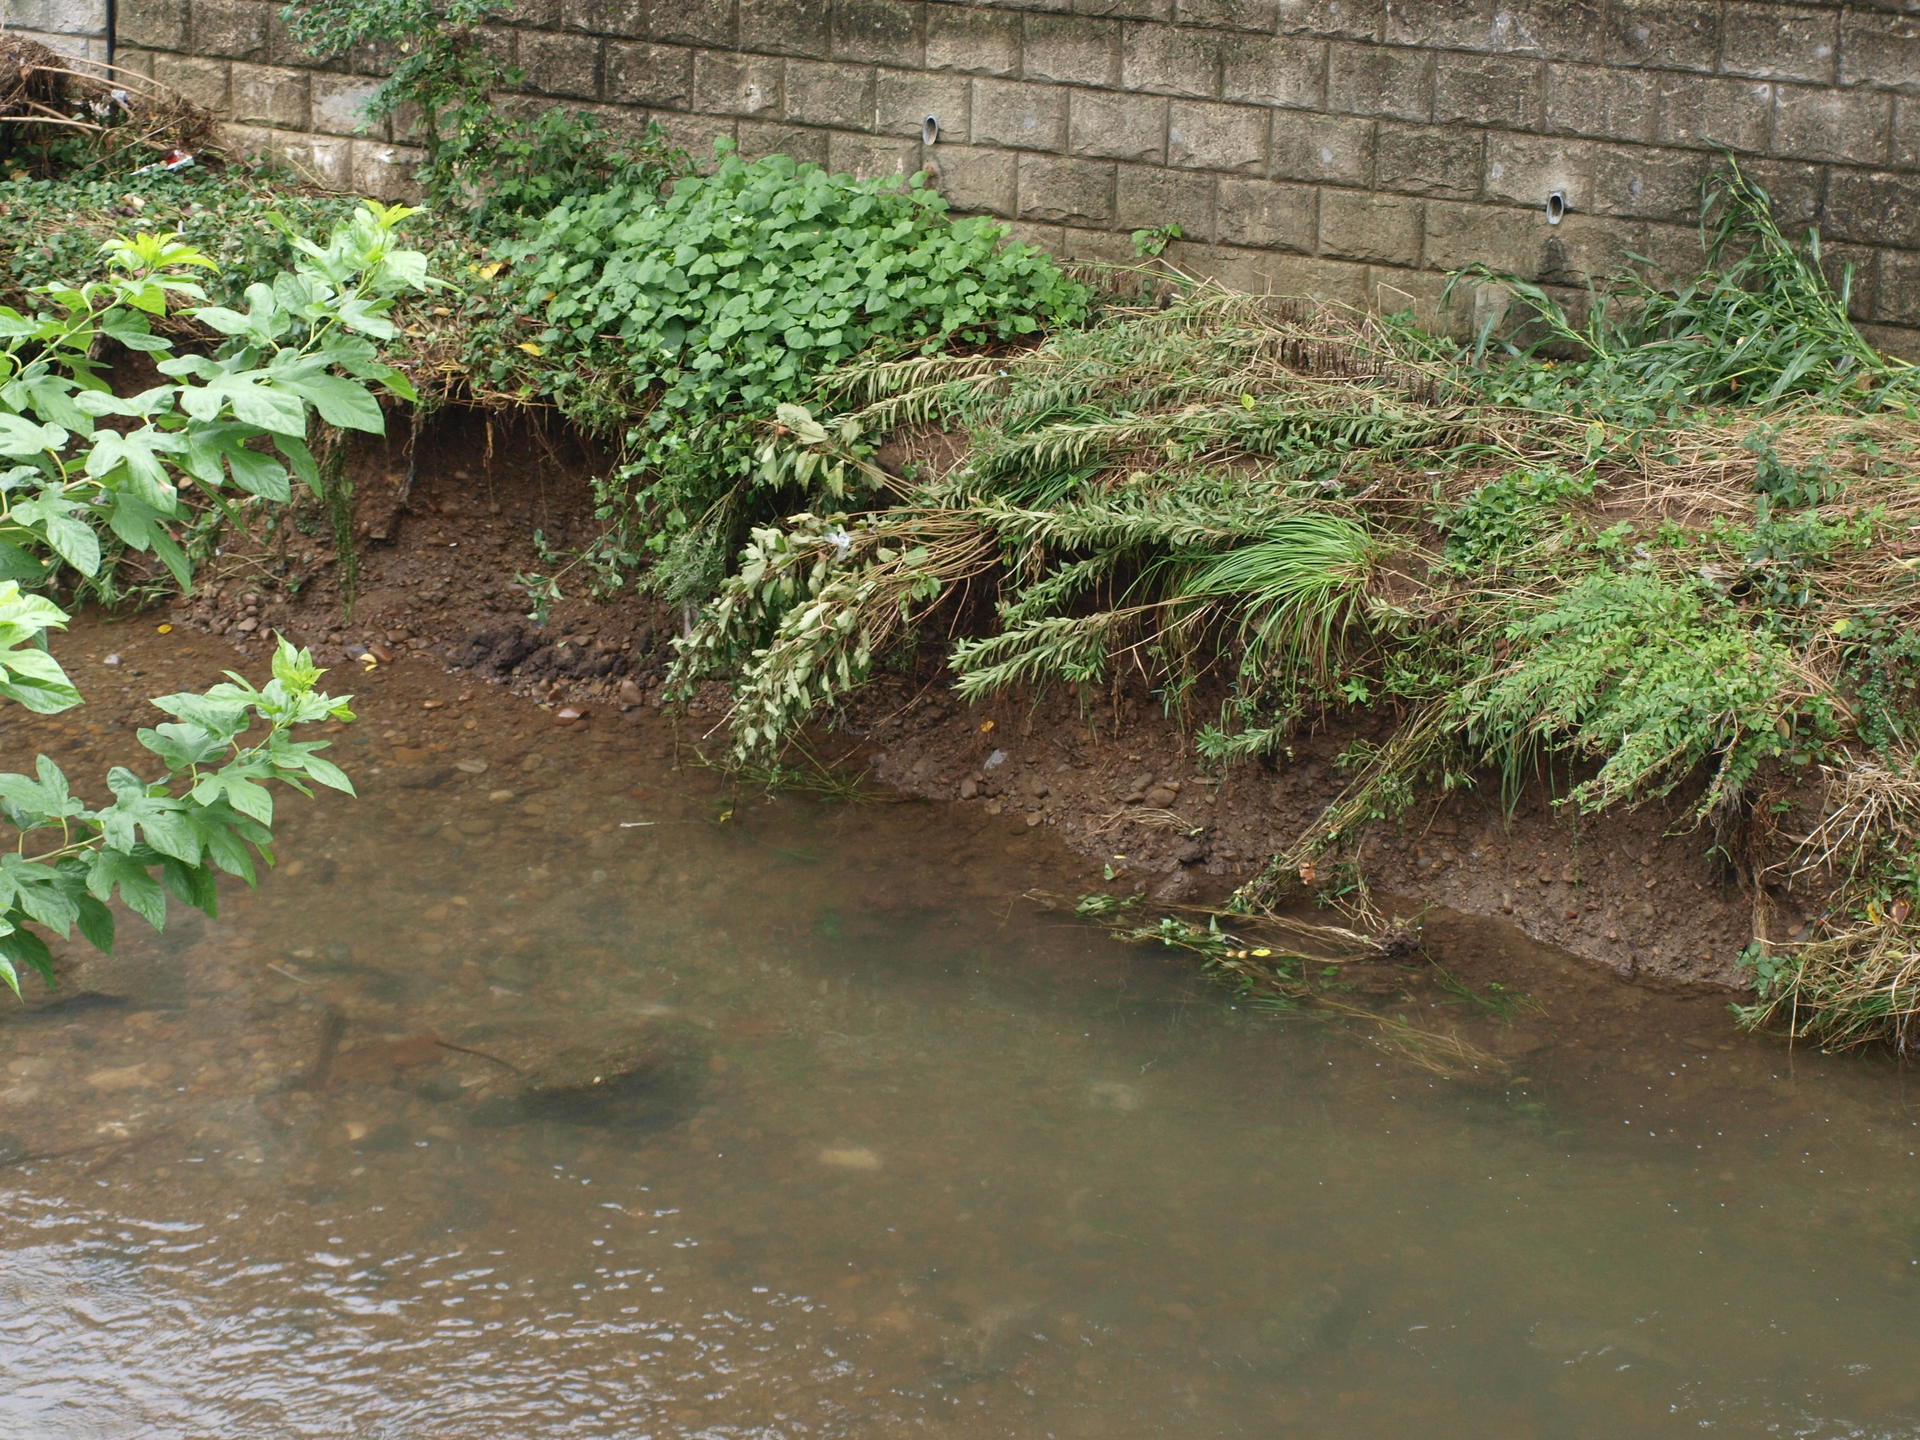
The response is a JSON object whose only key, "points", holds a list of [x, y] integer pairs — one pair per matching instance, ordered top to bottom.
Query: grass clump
{"points": [[1680, 561]]}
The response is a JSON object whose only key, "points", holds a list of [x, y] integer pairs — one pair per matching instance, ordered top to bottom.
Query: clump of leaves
{"points": [[732, 296], [88, 475]]}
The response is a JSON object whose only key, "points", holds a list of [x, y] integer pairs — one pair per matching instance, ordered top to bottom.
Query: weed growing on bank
{"points": [[1681, 559]]}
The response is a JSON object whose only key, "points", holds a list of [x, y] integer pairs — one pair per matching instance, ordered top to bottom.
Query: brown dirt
{"points": [[443, 530]]}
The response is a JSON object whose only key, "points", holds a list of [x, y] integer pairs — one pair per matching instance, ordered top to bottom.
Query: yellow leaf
{"points": [[487, 271], [530, 348], [163, 629], [985, 726], [1262, 953]]}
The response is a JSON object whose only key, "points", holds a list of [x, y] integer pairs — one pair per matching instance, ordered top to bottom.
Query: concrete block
{"points": [[1116, 9], [535, 14], [1260, 16], [83, 18], [622, 19], [1341, 19], [694, 22], [155, 24], [787, 27], [230, 29], [1549, 29], [1574, 30], [879, 32], [1671, 34], [1771, 41], [979, 42], [78, 47], [1878, 48], [283, 49], [1071, 49], [1171, 60], [138, 62], [558, 62], [1284, 70], [639, 73], [1380, 80], [202, 81], [727, 82], [1499, 90], [825, 93], [269, 95], [903, 99], [1601, 101], [339, 103], [1735, 114], [1019, 116], [1819, 123], [1114, 126], [1906, 133], [695, 134], [1206, 135], [763, 137], [1333, 149], [869, 157], [323, 160], [1444, 160], [1525, 169], [385, 171], [976, 179], [1646, 183], [1796, 188], [1067, 190], [1148, 196], [1872, 207], [1267, 215], [1359, 225], [1458, 235], [1051, 238], [1095, 247], [1585, 248], [1671, 250], [1853, 271], [1276, 272], [1898, 289], [1392, 290], [1898, 341]]}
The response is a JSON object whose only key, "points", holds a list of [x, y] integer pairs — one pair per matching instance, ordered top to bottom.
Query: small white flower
{"points": [[841, 541]]}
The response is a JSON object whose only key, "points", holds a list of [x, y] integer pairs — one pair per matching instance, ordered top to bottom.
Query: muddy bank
{"points": [[444, 524]]}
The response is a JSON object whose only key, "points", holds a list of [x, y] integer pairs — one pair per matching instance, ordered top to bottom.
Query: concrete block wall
{"points": [[73, 27], [1356, 149]]}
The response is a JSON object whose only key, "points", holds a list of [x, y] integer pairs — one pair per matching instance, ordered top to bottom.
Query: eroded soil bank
{"points": [[444, 524]]}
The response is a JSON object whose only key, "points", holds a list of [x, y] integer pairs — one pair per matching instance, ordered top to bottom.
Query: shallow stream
{"points": [[882, 1149]]}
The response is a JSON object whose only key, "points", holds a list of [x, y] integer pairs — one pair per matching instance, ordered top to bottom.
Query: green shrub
{"points": [[731, 297], [1652, 677]]}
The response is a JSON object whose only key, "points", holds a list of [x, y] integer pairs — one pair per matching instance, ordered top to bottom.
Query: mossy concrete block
{"points": [[1207, 135]]}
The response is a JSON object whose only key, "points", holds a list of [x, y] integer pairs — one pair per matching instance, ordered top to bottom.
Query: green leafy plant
{"points": [[730, 298], [91, 473], [209, 811]]}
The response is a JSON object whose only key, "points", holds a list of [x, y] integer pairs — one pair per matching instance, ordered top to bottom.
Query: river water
{"points": [[908, 1154]]}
